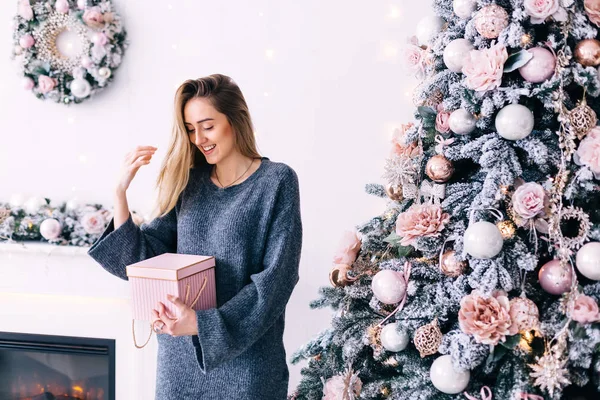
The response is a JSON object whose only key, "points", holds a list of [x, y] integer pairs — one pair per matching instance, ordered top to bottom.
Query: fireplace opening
{"points": [[45, 367]]}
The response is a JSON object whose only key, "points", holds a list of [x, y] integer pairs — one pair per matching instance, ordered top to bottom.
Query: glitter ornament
{"points": [[464, 8], [491, 20], [428, 28], [587, 52], [456, 53], [540, 67], [582, 119], [461, 122], [514, 122], [439, 169], [394, 192], [4, 214], [50, 229], [507, 229], [483, 240], [588, 261], [451, 266], [338, 276], [555, 278], [388, 286], [524, 314], [394, 338], [428, 338], [550, 372], [445, 378]]}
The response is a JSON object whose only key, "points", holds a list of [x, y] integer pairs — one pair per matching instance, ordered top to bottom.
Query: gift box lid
{"points": [[170, 266]]}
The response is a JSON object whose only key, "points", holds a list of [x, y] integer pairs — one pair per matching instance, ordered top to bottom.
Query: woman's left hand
{"points": [[185, 325]]}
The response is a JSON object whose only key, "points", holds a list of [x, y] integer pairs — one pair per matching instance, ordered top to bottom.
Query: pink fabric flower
{"points": [[62, 6], [592, 9], [539, 10], [25, 11], [93, 18], [26, 41], [414, 56], [484, 68], [46, 84], [442, 119], [399, 144], [588, 152], [529, 200], [421, 220], [93, 222], [348, 248], [585, 310], [486, 318], [336, 388]]}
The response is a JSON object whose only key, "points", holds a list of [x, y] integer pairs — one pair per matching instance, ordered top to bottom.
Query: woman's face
{"points": [[208, 129]]}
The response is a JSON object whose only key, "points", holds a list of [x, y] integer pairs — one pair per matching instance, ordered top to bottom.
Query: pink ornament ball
{"points": [[26, 41], [540, 67], [28, 83], [50, 229], [555, 278], [388, 286]]}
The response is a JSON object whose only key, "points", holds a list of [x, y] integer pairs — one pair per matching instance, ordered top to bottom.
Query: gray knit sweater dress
{"points": [[254, 230]]}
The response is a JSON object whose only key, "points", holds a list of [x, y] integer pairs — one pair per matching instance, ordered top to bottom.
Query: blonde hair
{"points": [[182, 155]]}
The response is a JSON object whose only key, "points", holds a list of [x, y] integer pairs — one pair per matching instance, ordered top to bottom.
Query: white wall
{"points": [[325, 103]]}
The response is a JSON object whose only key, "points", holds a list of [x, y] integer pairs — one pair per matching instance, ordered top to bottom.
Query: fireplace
{"points": [[45, 367]]}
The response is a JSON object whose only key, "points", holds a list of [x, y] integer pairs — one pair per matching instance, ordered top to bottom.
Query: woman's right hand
{"points": [[141, 155]]}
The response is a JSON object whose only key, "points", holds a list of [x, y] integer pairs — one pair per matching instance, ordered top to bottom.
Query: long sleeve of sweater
{"points": [[129, 243], [227, 331]]}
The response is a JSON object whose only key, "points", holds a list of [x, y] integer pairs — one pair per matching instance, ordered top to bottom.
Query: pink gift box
{"points": [[187, 276]]}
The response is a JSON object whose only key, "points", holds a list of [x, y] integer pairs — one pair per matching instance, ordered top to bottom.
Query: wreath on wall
{"points": [[67, 50], [67, 224]]}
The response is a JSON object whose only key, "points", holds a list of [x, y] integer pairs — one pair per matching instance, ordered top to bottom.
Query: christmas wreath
{"points": [[67, 50]]}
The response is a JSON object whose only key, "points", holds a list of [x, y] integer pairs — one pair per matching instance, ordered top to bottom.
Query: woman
{"points": [[217, 196]]}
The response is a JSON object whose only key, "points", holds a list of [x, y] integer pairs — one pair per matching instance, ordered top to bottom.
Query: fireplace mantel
{"points": [[60, 290]]}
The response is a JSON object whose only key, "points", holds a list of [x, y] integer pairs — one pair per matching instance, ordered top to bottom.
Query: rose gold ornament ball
{"points": [[491, 20], [587, 52], [439, 169], [394, 192], [451, 266]]}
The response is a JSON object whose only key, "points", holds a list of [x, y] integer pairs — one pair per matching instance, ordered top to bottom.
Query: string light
{"points": [[394, 12]]}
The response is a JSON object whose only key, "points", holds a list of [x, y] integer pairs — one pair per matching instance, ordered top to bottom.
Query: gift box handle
{"points": [[187, 295]]}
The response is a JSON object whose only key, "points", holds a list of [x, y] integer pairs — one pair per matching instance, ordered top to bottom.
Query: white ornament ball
{"points": [[464, 8], [428, 28], [456, 53], [104, 72], [80, 88], [461, 122], [514, 122], [16, 200], [72, 204], [33, 205], [50, 228], [483, 240], [588, 261], [388, 286], [394, 338], [445, 378]]}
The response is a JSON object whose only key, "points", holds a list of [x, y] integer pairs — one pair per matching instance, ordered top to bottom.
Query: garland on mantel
{"points": [[66, 224]]}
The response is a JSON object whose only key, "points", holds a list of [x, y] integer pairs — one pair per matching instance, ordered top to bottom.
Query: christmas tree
{"points": [[480, 278]]}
